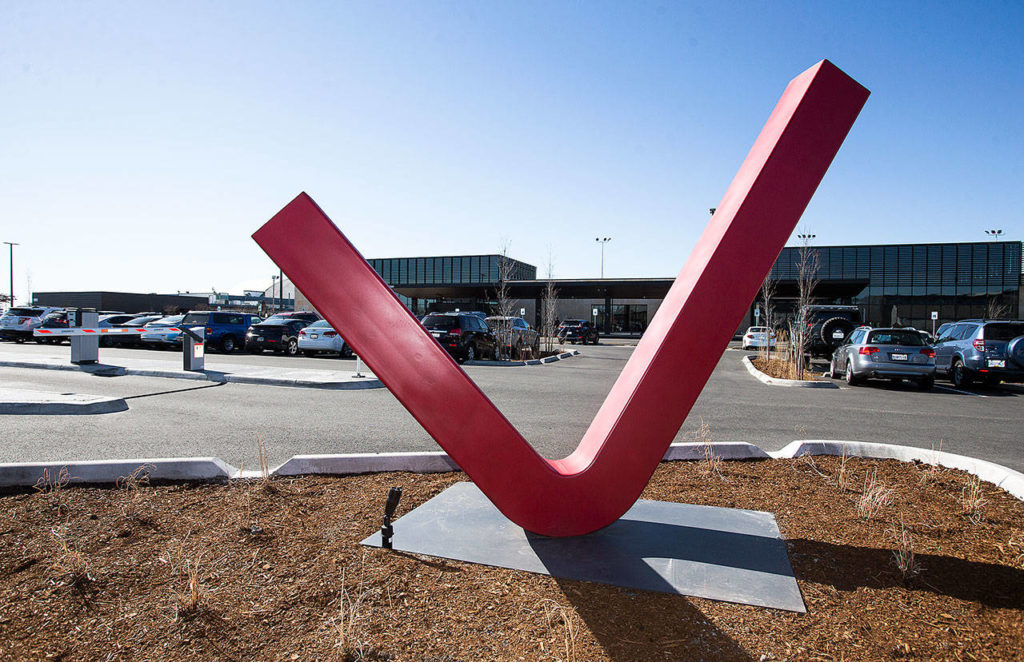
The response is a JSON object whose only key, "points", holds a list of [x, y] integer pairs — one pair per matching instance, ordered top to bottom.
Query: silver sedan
{"points": [[320, 338], [893, 354]]}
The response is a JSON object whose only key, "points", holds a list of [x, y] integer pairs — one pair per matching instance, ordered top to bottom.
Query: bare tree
{"points": [[806, 280], [768, 289], [506, 305], [549, 308], [996, 309]]}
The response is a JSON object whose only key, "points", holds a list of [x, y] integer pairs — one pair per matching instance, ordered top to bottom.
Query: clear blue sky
{"points": [[142, 142]]}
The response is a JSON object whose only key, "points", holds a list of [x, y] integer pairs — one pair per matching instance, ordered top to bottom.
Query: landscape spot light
{"points": [[387, 531]]}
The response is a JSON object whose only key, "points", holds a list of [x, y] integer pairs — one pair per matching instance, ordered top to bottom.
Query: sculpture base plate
{"points": [[703, 551]]}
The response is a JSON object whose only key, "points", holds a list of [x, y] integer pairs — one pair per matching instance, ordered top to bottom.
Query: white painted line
{"points": [[950, 388]]}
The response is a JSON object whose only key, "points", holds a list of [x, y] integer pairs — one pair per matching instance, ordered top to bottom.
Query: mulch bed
{"points": [[780, 369], [272, 570]]}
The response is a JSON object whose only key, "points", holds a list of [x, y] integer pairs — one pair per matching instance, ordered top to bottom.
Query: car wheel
{"points": [[227, 344], [293, 347], [346, 352], [470, 353], [833, 373], [958, 375], [851, 378], [926, 383]]}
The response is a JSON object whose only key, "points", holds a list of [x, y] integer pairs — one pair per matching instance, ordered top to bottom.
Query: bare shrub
{"points": [[808, 264], [505, 304], [549, 309], [710, 464], [931, 473], [844, 477], [264, 479], [52, 489], [874, 497], [971, 500], [1015, 548], [903, 554], [68, 561], [187, 565], [555, 614], [350, 621]]}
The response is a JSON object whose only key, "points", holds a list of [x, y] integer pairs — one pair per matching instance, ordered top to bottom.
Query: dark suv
{"points": [[828, 327], [225, 329], [575, 331], [280, 334], [464, 335], [981, 350]]}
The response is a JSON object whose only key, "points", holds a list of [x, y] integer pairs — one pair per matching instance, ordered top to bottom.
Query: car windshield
{"points": [[25, 312], [169, 321], [441, 322], [572, 323], [320, 324], [756, 329], [1003, 331], [895, 337]]}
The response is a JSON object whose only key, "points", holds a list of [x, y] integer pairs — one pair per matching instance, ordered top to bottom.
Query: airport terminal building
{"points": [[901, 283]]}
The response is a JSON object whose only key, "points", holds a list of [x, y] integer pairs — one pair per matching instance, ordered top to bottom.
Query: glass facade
{"points": [[450, 270], [908, 282]]}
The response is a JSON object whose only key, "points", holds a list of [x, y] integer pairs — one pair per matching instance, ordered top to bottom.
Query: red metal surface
{"points": [[598, 482]]}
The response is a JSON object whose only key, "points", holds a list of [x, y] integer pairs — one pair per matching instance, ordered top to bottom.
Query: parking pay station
{"points": [[84, 348], [193, 350]]}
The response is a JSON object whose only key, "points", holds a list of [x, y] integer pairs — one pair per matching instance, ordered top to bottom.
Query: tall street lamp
{"points": [[995, 234], [806, 238], [602, 241], [12, 245], [273, 289]]}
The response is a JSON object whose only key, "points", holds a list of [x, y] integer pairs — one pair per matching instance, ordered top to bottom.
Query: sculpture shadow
{"points": [[848, 567]]}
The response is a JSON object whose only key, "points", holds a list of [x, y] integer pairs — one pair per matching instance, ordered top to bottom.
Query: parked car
{"points": [[306, 315], [58, 319], [110, 321], [19, 322], [829, 326], [225, 329], [578, 331], [159, 335], [279, 335], [465, 335], [519, 336], [757, 337], [321, 338], [130, 339], [972, 350], [894, 354]]}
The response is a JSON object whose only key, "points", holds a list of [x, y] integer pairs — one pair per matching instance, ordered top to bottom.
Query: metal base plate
{"points": [[718, 553]]}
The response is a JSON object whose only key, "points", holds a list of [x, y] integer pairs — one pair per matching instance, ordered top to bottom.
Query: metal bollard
{"points": [[359, 367]]}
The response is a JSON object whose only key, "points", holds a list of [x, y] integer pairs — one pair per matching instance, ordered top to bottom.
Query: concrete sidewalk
{"points": [[234, 373], [23, 402]]}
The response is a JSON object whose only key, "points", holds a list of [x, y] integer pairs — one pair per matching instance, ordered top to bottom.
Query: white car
{"points": [[19, 322], [157, 334], [757, 337], [320, 338]]}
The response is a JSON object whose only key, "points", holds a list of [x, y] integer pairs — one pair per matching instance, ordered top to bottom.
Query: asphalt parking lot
{"points": [[552, 405]]}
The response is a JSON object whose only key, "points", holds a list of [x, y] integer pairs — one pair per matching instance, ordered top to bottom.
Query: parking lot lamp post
{"points": [[995, 234], [602, 241], [280, 283], [273, 288], [10, 304]]}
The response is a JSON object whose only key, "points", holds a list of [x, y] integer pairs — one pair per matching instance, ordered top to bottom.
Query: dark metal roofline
{"points": [[919, 243], [439, 257]]}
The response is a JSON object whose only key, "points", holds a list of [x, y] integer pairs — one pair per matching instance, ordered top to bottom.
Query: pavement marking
{"points": [[954, 390]]}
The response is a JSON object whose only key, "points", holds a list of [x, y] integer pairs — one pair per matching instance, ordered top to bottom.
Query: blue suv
{"points": [[225, 329], [972, 350]]}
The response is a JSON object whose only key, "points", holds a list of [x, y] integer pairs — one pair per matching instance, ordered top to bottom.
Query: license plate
{"points": [[436, 334], [838, 335], [314, 336], [258, 338], [898, 357], [997, 363]]}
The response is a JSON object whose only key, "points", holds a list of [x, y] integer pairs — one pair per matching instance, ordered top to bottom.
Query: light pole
{"points": [[995, 234], [806, 238], [602, 241], [280, 283], [273, 288], [10, 304]]}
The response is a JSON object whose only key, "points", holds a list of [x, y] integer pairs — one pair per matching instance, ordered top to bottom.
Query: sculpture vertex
{"points": [[645, 408]]}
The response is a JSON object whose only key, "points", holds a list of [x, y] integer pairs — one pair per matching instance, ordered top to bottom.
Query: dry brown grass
{"points": [[710, 464], [844, 477], [52, 489], [874, 497], [133, 500], [971, 500], [903, 555], [70, 565], [556, 614]]}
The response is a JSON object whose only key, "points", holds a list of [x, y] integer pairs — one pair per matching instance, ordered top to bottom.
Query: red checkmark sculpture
{"points": [[604, 476]]}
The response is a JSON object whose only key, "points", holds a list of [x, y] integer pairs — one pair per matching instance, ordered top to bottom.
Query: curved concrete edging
{"points": [[516, 364], [775, 381], [37, 403], [26, 474]]}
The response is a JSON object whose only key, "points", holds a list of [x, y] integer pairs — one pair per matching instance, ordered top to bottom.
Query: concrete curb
{"points": [[517, 364], [216, 376], [774, 381], [21, 402], [990, 472], [26, 474]]}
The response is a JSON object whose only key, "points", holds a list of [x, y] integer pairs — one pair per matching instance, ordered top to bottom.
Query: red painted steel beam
{"points": [[598, 482]]}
